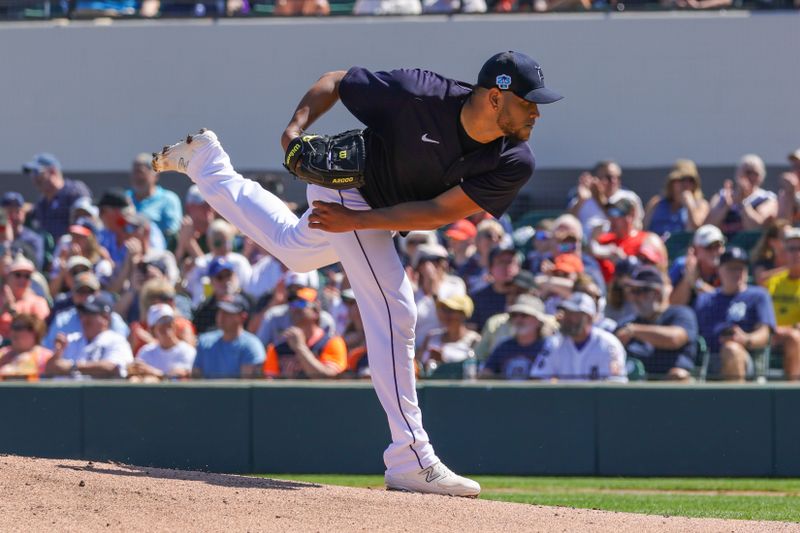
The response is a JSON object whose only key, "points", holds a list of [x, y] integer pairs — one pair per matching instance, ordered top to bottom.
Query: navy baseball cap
{"points": [[518, 73], [41, 161], [114, 197], [12, 199], [734, 254], [219, 264], [647, 276], [98, 304], [234, 304]]}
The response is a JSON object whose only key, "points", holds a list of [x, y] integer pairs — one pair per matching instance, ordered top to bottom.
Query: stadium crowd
{"points": [[83, 9], [146, 286]]}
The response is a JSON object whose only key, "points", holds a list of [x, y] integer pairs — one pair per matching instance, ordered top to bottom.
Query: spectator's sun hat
{"points": [[518, 73], [794, 156], [143, 159], [40, 162], [684, 168], [193, 196], [114, 197], [12, 199], [84, 203], [621, 208], [462, 230], [791, 232], [707, 235], [429, 252], [734, 255], [78, 260], [569, 263], [21, 264], [217, 265], [647, 276], [86, 280], [524, 280], [451, 286], [459, 302], [579, 302], [97, 304], [234, 304], [530, 305], [158, 312]]}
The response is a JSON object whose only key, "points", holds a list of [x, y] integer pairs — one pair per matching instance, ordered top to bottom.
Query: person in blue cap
{"points": [[437, 150], [51, 212], [22, 237]]}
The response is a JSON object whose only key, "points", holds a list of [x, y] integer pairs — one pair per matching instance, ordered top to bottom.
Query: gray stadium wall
{"points": [[645, 88], [481, 428]]}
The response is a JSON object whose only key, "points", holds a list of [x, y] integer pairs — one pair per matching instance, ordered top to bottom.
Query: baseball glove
{"points": [[335, 162]]}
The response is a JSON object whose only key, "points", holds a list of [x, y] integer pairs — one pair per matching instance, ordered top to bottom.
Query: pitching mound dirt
{"points": [[62, 495]]}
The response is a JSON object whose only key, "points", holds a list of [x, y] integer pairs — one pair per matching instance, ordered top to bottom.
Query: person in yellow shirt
{"points": [[785, 291], [305, 351]]}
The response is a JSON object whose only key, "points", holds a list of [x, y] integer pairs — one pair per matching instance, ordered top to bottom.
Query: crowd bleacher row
{"points": [[86, 9], [142, 285]]}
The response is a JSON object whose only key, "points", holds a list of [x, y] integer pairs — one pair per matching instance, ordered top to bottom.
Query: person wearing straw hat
{"points": [[513, 359]]}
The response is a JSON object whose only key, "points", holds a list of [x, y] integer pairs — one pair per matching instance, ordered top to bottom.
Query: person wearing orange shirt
{"points": [[17, 297], [306, 351]]}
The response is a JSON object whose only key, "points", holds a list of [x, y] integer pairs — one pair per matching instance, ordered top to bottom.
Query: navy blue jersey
{"points": [[413, 147], [716, 312], [658, 361]]}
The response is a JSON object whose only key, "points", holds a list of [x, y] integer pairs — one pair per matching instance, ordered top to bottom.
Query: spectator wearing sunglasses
{"points": [[598, 189], [743, 204], [681, 207], [51, 212], [21, 237], [461, 237], [697, 272], [223, 282], [784, 288], [17, 297], [67, 321], [662, 336], [95, 350], [229, 351], [306, 351], [25, 356]]}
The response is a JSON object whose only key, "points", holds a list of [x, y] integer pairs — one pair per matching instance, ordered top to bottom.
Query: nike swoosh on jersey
{"points": [[427, 139]]}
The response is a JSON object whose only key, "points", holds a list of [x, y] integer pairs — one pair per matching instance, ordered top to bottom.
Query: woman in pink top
{"points": [[17, 297]]}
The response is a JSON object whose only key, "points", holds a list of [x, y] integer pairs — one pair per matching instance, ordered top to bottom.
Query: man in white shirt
{"points": [[96, 350], [583, 352], [168, 356]]}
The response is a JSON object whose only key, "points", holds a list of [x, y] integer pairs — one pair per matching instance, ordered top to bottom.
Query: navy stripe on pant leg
{"points": [[391, 337]]}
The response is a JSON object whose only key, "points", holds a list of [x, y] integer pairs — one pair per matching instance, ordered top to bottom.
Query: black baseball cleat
{"points": [[177, 157]]}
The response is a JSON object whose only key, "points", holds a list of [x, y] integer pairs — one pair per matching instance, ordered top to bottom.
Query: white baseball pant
{"points": [[384, 294]]}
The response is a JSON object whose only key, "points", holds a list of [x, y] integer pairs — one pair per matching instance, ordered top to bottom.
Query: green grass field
{"points": [[746, 499]]}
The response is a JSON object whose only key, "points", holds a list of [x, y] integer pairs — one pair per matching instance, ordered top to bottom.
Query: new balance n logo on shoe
{"points": [[431, 475]]}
